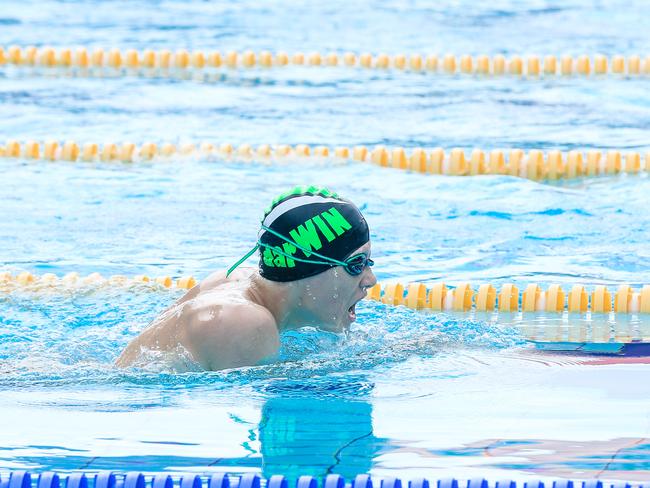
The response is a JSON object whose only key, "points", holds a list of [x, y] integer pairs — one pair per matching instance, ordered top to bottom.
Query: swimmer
{"points": [[314, 268]]}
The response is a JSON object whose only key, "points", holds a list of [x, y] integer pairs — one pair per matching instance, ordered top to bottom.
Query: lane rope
{"points": [[181, 59], [534, 164], [49, 281], [437, 297], [509, 298], [578, 316], [136, 479]]}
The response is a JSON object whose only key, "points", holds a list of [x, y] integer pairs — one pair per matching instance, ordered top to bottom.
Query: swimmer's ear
{"points": [[246, 256]]}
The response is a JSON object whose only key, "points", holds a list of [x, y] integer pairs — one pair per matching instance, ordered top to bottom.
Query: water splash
{"points": [[71, 341]]}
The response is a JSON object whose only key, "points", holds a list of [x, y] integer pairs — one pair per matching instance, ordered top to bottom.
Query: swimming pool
{"points": [[406, 393]]}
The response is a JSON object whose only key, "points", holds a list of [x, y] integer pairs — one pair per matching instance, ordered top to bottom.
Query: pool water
{"points": [[404, 393]]}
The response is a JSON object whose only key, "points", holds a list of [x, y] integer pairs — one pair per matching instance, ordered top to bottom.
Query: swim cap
{"points": [[313, 225]]}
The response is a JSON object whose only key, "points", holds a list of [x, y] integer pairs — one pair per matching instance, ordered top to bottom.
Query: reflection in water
{"points": [[597, 333], [302, 434], [623, 458]]}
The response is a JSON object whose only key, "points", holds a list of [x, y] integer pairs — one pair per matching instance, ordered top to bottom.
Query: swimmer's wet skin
{"points": [[314, 268]]}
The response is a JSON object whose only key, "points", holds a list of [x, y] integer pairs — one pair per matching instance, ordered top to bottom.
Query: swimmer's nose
{"points": [[369, 279]]}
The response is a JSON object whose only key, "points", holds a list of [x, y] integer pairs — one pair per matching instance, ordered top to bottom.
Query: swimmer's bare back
{"points": [[218, 323]]}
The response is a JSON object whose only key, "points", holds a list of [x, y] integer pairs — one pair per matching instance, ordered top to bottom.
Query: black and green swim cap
{"points": [[307, 231]]}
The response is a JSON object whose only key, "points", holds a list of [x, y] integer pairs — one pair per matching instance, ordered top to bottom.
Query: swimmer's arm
{"points": [[233, 336]]}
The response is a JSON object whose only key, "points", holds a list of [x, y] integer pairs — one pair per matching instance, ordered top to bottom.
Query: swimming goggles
{"points": [[354, 265]]}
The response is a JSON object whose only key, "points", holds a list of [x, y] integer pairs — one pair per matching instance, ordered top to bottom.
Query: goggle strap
{"points": [[278, 250], [246, 256]]}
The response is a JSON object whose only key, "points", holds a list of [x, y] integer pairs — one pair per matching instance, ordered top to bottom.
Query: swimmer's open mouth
{"points": [[352, 312]]}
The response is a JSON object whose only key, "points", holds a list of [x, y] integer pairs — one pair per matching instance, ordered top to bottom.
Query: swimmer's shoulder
{"points": [[226, 334]]}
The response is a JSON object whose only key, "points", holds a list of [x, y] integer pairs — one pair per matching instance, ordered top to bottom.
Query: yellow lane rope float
{"points": [[181, 59], [534, 164], [436, 297]]}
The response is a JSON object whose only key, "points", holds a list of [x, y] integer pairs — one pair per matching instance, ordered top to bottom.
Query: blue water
{"points": [[404, 392]]}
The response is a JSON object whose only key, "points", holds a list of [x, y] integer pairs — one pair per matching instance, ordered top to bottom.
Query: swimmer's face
{"points": [[332, 296]]}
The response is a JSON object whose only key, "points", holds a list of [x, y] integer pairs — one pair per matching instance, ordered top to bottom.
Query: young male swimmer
{"points": [[314, 268]]}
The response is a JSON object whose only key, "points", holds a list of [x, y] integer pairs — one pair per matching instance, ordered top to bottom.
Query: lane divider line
{"points": [[531, 66], [534, 164], [48, 281], [437, 297], [509, 298], [578, 316], [136, 479]]}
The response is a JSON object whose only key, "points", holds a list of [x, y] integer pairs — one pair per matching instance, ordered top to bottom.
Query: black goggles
{"points": [[355, 265]]}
